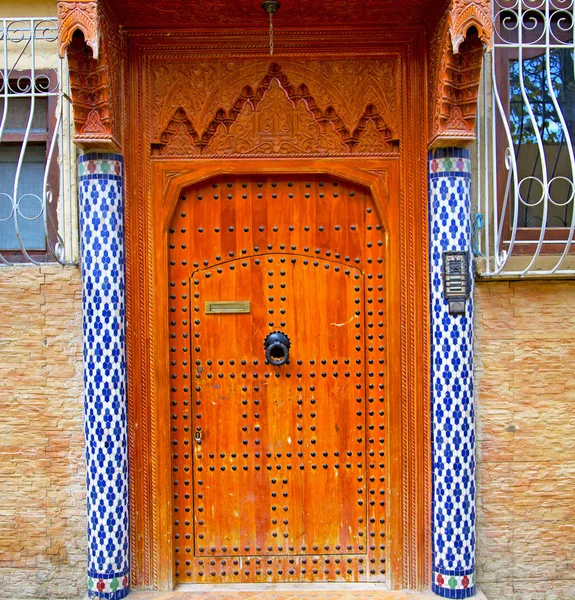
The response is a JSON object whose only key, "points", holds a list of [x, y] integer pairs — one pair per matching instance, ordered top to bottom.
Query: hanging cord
{"points": [[271, 7], [271, 34]]}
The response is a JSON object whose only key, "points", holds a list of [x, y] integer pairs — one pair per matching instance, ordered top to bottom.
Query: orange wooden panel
{"points": [[284, 445], [291, 459]]}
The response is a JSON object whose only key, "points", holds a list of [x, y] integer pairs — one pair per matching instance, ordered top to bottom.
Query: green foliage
{"points": [[536, 91]]}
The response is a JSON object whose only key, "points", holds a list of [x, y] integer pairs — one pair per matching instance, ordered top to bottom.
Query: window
{"points": [[536, 106], [525, 130], [23, 164], [38, 213], [24, 216]]}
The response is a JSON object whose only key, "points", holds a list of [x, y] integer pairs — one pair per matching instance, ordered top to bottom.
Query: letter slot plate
{"points": [[233, 307]]}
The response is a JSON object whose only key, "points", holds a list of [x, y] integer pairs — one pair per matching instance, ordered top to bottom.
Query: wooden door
{"points": [[277, 468]]}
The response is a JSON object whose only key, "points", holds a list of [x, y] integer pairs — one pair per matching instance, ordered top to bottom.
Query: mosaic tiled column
{"points": [[102, 236], [453, 420]]}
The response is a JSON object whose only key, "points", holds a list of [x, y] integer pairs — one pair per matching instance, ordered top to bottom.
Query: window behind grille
{"points": [[553, 136], [525, 160], [38, 179], [23, 213]]}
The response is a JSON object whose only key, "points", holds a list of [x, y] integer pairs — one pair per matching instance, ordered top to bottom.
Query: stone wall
{"points": [[525, 390], [42, 474]]}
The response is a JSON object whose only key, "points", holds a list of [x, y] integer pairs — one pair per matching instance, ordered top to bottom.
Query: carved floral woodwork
{"points": [[465, 14], [95, 46], [455, 60], [341, 95], [312, 107], [276, 126], [179, 138]]}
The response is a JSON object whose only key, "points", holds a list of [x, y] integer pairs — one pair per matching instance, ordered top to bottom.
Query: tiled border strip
{"points": [[112, 587]]}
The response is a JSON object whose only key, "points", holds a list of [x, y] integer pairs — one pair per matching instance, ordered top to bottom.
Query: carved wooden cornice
{"points": [[94, 43], [455, 60], [210, 108]]}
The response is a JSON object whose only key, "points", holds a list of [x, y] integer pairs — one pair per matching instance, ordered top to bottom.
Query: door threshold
{"points": [[280, 587], [300, 591]]}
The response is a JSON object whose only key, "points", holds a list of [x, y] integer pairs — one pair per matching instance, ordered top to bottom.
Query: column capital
{"points": [[90, 36], [456, 50]]}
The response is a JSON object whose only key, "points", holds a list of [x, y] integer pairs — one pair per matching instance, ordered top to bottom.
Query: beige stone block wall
{"points": [[525, 400], [42, 473]]}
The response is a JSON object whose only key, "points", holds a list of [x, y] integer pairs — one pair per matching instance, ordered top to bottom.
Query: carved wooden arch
{"points": [[78, 16], [93, 42], [456, 56], [184, 131]]}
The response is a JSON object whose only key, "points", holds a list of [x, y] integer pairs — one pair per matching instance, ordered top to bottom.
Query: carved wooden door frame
{"points": [[152, 190]]}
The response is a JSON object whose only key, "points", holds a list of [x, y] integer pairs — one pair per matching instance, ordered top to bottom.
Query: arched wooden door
{"points": [[279, 471]]}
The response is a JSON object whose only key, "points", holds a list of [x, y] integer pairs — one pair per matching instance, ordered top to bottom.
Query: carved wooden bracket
{"points": [[73, 16], [94, 43], [456, 56]]}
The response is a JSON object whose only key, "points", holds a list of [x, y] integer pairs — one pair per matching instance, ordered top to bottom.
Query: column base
{"points": [[452, 585], [109, 586]]}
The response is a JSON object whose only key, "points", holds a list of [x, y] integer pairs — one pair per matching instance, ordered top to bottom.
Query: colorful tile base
{"points": [[454, 586], [109, 587]]}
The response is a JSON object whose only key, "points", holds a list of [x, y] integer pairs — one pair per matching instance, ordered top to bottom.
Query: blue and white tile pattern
{"points": [[102, 236], [453, 420]]}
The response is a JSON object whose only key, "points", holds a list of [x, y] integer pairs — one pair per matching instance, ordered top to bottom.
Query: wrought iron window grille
{"points": [[525, 160], [38, 206]]}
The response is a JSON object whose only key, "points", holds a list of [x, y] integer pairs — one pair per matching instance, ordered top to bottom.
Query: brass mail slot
{"points": [[228, 307]]}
